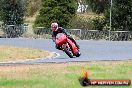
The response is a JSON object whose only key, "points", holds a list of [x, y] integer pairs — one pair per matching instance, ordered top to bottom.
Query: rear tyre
{"points": [[68, 52]]}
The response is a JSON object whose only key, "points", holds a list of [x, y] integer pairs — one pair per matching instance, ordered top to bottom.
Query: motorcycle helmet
{"points": [[54, 27]]}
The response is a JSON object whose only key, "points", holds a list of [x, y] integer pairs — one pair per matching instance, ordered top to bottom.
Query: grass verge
{"points": [[8, 53], [63, 75]]}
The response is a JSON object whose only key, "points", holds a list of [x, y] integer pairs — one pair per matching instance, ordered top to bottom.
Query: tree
{"points": [[98, 6], [1, 9], [60, 11], [12, 14], [121, 15]]}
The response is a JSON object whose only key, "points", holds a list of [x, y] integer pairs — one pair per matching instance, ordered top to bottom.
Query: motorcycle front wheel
{"points": [[66, 50], [78, 54]]}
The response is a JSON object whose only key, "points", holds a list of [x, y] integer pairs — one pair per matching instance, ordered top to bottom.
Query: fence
{"points": [[10, 31], [85, 34], [102, 35]]}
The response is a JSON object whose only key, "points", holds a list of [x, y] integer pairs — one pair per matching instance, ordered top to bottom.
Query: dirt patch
{"points": [[8, 53]]}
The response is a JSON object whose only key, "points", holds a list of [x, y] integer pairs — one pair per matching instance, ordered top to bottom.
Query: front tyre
{"points": [[67, 52], [78, 54]]}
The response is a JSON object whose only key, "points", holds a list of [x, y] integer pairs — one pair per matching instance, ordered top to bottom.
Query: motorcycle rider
{"points": [[56, 29]]}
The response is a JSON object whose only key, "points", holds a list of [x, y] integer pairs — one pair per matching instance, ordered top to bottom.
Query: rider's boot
{"points": [[77, 45], [57, 47]]}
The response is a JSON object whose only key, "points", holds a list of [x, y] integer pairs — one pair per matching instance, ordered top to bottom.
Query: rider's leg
{"points": [[74, 41]]}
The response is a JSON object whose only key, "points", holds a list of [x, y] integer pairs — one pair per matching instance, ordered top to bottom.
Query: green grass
{"points": [[63, 75]]}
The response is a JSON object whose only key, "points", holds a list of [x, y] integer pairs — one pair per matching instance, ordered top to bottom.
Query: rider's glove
{"points": [[53, 39]]}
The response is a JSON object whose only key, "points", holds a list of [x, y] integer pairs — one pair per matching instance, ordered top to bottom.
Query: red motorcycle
{"points": [[67, 45]]}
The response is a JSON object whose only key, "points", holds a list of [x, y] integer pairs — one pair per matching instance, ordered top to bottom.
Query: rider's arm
{"points": [[64, 31]]}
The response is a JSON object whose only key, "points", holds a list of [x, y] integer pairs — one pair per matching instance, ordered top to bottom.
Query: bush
{"points": [[32, 6], [81, 22], [98, 24]]}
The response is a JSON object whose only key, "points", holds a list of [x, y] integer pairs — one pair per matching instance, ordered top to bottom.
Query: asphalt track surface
{"points": [[90, 50]]}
